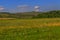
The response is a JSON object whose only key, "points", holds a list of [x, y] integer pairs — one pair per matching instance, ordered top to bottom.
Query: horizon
{"points": [[28, 5]]}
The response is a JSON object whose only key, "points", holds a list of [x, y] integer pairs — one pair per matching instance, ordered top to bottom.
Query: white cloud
{"points": [[23, 6], [1, 8]]}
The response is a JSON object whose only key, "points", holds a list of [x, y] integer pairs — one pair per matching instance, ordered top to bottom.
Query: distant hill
{"points": [[49, 14]]}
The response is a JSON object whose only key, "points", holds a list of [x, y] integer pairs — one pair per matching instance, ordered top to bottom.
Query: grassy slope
{"points": [[30, 29]]}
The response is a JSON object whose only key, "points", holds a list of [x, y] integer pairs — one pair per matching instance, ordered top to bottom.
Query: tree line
{"points": [[49, 14]]}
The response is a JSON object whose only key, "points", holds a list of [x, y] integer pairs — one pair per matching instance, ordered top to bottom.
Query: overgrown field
{"points": [[30, 29]]}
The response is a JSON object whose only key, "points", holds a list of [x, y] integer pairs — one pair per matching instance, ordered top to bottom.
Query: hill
{"points": [[49, 14]]}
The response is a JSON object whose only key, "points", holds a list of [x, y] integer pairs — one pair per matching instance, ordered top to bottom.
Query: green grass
{"points": [[30, 29], [52, 33]]}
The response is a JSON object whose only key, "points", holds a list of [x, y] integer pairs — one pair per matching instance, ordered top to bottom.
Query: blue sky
{"points": [[13, 5]]}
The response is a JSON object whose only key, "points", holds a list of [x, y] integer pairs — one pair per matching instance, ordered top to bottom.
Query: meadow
{"points": [[30, 29]]}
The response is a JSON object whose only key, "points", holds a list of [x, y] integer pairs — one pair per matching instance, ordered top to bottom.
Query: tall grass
{"points": [[30, 22], [30, 29]]}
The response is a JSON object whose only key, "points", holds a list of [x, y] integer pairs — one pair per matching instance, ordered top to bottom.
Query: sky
{"points": [[28, 5]]}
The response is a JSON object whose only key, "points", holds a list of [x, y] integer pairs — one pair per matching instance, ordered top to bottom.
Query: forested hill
{"points": [[49, 14]]}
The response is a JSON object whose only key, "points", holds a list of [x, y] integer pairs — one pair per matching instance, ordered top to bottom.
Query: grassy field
{"points": [[30, 29]]}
